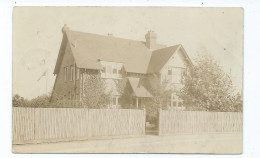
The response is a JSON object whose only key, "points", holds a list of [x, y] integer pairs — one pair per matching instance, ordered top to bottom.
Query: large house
{"points": [[143, 63]]}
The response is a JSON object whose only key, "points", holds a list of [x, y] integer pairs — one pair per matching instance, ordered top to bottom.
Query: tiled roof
{"points": [[88, 49], [138, 88]]}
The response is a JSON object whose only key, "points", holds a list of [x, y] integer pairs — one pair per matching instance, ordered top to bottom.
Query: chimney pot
{"points": [[65, 28], [151, 37]]}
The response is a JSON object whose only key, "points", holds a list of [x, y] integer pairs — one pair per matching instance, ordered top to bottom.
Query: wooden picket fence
{"points": [[189, 122], [35, 125]]}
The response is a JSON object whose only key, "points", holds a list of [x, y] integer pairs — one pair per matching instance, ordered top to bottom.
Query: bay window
{"points": [[174, 102]]}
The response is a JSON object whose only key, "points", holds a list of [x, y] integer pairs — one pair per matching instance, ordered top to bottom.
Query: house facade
{"points": [[142, 64]]}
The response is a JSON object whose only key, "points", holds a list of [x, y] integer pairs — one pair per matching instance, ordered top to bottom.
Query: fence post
{"points": [[144, 113], [159, 122], [34, 123]]}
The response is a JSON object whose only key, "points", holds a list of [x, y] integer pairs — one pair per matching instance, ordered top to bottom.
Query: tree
{"points": [[207, 87], [124, 88], [94, 92], [161, 93], [19, 101], [42, 101]]}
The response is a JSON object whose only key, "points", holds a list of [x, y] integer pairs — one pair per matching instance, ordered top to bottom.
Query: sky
{"points": [[37, 36]]}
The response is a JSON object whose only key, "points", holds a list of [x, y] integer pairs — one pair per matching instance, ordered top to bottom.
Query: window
{"points": [[104, 69], [111, 69], [114, 70], [120, 70], [169, 71], [71, 72], [65, 73], [78, 73], [175, 74], [69, 95], [115, 100], [119, 101], [175, 103]]}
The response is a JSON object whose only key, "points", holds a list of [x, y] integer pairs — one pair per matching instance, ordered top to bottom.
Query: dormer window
{"points": [[111, 69], [117, 69], [104, 70], [114, 70]]}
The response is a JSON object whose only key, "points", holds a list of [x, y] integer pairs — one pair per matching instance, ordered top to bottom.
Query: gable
{"points": [[61, 54], [161, 57], [65, 59], [177, 60]]}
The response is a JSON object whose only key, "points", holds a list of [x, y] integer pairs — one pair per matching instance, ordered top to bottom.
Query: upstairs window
{"points": [[111, 69], [117, 69], [104, 70], [114, 70], [169, 71], [71, 72], [65, 73], [78, 73], [175, 74]]}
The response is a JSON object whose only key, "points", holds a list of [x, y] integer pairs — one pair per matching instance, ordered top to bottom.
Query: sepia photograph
{"points": [[127, 80]]}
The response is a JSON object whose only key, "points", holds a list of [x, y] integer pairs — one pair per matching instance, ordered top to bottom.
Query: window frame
{"points": [[72, 69], [111, 70], [65, 73], [77, 74], [173, 76], [175, 100]]}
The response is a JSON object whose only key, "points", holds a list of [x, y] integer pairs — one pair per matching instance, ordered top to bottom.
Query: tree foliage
{"points": [[208, 88], [124, 89], [94, 92], [161, 93], [19, 101], [40, 101]]}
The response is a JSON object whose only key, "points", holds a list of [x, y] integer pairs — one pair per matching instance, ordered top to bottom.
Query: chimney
{"points": [[65, 28], [150, 37]]}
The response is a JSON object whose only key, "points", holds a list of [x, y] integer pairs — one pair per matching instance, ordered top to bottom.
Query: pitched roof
{"points": [[88, 49], [160, 57], [138, 88]]}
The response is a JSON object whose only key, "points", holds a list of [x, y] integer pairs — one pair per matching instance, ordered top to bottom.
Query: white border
{"points": [[251, 69]]}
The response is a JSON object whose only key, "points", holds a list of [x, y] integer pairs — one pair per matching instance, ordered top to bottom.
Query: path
{"points": [[210, 143]]}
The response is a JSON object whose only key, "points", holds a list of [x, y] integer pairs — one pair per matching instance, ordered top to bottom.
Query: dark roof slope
{"points": [[88, 49], [160, 57], [138, 88]]}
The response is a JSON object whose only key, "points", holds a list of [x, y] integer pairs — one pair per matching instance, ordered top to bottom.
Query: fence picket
{"points": [[177, 122]]}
